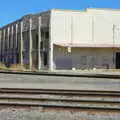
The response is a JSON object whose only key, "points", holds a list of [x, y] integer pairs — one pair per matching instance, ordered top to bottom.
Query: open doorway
{"points": [[117, 60]]}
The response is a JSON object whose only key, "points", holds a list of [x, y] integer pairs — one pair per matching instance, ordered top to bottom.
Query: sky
{"points": [[11, 10]]}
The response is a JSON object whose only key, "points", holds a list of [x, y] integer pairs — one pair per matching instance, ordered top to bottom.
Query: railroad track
{"points": [[61, 99]]}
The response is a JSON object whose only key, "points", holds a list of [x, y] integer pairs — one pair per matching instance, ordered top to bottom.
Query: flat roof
{"points": [[106, 9]]}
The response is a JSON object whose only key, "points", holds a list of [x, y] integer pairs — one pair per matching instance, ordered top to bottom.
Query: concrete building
{"points": [[63, 39]]}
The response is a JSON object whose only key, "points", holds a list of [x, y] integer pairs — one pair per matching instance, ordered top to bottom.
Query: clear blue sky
{"points": [[11, 10]]}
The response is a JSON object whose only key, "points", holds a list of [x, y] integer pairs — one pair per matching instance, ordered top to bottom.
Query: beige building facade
{"points": [[63, 39]]}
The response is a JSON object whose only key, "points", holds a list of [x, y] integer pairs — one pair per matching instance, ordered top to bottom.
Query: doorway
{"points": [[118, 60]]}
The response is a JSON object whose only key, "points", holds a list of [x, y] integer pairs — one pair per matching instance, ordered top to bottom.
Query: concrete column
{"points": [[8, 34], [16, 37], [114, 39], [39, 42], [0, 43], [15, 43], [21, 43], [11, 44], [30, 44], [3, 45], [50, 49]]}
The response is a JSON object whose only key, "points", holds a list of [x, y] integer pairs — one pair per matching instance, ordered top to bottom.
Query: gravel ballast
{"points": [[42, 114]]}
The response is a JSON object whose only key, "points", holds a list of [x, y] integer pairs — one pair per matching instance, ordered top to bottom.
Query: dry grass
{"points": [[3, 67], [17, 67], [24, 68]]}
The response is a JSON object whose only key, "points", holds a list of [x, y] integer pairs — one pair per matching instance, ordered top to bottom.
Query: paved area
{"points": [[98, 71], [72, 73], [94, 73], [57, 82]]}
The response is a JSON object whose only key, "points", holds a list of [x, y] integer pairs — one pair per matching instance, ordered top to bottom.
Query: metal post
{"points": [[39, 42], [21, 43], [30, 44]]}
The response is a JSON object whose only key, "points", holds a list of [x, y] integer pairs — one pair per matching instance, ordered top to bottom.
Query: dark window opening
{"points": [[42, 33], [47, 35], [36, 41], [10, 42], [41, 45], [17, 58], [45, 59], [118, 60]]}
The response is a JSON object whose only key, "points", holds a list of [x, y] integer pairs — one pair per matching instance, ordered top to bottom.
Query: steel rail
{"points": [[62, 92], [57, 100], [45, 102], [111, 109]]}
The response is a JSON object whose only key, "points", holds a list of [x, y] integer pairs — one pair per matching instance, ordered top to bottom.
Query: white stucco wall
{"points": [[103, 22], [93, 26], [70, 27], [92, 58], [61, 59], [84, 59]]}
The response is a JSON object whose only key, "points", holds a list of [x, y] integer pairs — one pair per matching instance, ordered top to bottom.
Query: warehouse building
{"points": [[63, 39]]}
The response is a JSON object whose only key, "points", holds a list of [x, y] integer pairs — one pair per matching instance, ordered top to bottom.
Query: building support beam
{"points": [[8, 34], [0, 43], [15, 43], [21, 43], [39, 43], [30, 44], [12, 49], [50, 49], [3, 51]]}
